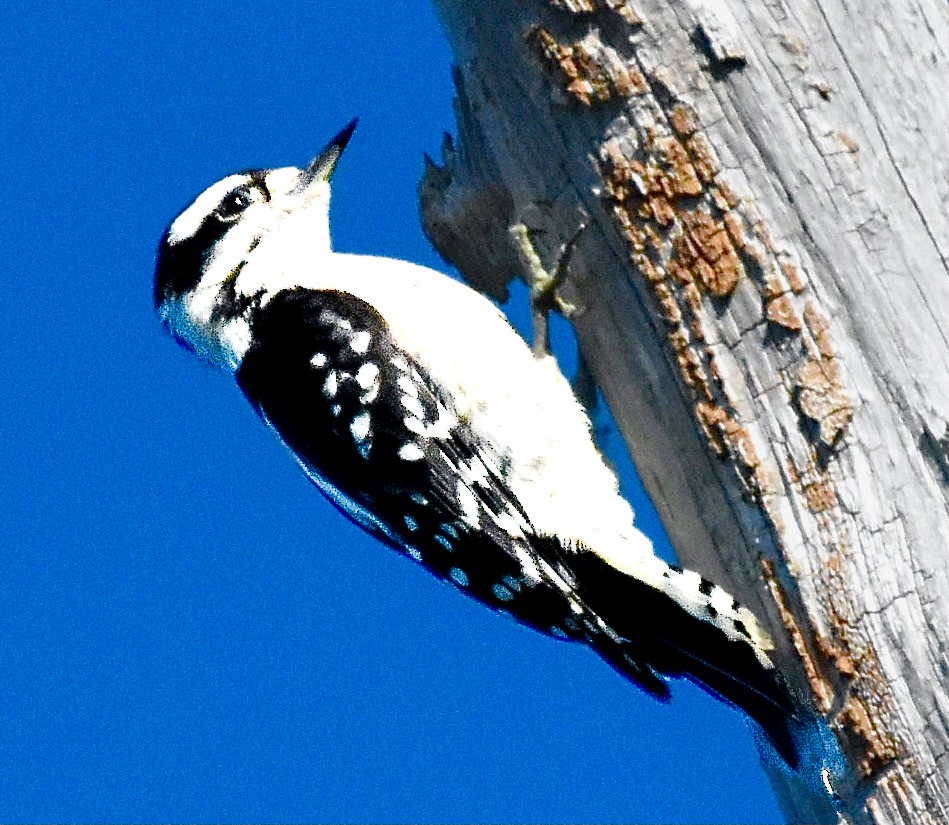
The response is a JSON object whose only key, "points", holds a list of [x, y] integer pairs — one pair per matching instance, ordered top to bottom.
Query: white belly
{"points": [[513, 400]]}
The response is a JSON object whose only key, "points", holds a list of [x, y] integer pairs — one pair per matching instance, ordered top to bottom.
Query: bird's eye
{"points": [[235, 203]]}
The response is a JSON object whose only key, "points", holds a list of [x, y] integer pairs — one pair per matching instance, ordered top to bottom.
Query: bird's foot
{"points": [[544, 285]]}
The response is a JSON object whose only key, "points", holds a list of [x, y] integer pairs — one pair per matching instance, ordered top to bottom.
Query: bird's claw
{"points": [[544, 285]]}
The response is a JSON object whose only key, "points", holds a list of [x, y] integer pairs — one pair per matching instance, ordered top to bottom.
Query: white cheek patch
{"points": [[187, 224]]}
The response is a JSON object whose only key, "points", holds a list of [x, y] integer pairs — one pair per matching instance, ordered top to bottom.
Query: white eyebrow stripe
{"points": [[187, 224]]}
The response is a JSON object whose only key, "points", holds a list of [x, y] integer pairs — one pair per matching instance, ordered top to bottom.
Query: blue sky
{"points": [[187, 631]]}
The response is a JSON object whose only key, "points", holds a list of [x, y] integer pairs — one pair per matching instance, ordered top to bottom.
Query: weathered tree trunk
{"points": [[764, 301]]}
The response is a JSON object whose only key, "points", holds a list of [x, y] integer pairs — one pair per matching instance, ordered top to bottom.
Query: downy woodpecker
{"points": [[411, 403]]}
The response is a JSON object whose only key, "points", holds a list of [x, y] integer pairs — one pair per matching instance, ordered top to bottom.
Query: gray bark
{"points": [[764, 303]]}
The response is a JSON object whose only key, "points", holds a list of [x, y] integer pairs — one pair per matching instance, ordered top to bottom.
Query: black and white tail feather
{"points": [[411, 403]]}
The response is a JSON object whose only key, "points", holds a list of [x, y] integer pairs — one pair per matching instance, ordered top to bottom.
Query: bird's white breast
{"points": [[520, 404]]}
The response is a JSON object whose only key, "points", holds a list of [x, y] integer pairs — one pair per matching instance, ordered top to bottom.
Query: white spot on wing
{"points": [[360, 342], [319, 360], [367, 375], [331, 385], [408, 386], [413, 405], [413, 425], [359, 426], [443, 426], [411, 452], [476, 470], [469, 504], [411, 523], [509, 523], [529, 566], [458, 576]]}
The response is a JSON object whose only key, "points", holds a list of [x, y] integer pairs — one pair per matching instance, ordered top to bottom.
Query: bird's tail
{"points": [[679, 624]]}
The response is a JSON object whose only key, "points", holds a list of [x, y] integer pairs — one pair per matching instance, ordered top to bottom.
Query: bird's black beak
{"points": [[324, 164]]}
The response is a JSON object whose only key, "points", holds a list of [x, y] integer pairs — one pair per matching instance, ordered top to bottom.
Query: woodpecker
{"points": [[412, 404]]}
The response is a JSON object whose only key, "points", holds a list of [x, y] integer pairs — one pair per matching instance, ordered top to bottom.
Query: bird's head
{"points": [[243, 238]]}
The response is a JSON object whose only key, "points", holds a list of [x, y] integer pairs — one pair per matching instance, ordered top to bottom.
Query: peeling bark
{"points": [[764, 302]]}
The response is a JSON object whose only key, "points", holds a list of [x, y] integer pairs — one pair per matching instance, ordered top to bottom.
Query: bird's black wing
{"points": [[373, 431]]}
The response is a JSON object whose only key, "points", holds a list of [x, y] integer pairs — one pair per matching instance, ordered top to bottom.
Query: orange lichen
{"points": [[589, 73], [632, 82], [683, 120], [703, 157], [682, 177], [730, 195], [718, 199], [659, 209], [735, 229], [688, 233], [655, 239], [706, 251], [678, 272], [652, 273], [793, 277], [774, 287], [693, 298], [667, 304], [780, 310], [819, 327], [679, 340], [692, 372], [819, 390], [820, 396], [711, 418], [726, 435], [815, 483], [820, 496], [841, 659], [821, 689], [862, 720], [880, 748]]}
